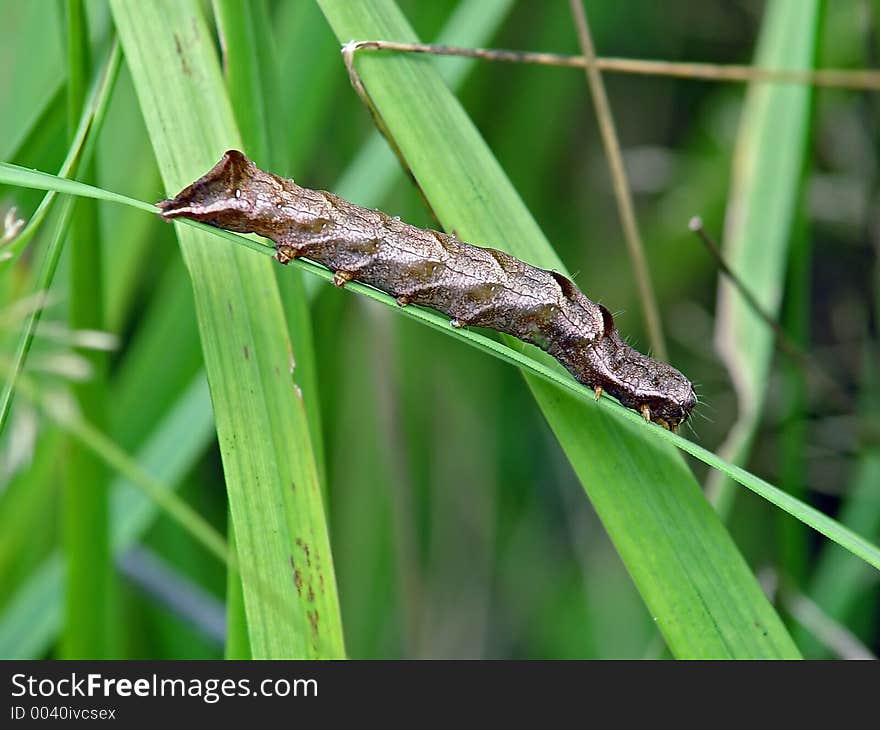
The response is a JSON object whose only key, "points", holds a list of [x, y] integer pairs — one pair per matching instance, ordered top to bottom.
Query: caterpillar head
{"points": [[234, 194], [654, 388], [666, 396]]}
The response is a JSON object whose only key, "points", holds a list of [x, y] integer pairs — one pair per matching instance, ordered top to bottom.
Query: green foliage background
{"points": [[457, 523]]}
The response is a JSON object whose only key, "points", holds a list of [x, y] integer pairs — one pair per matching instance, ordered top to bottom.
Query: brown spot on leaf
{"points": [[182, 56], [246, 353], [304, 546], [298, 581], [313, 621]]}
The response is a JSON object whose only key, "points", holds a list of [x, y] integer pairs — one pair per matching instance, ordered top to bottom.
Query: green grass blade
{"points": [[306, 50], [252, 78], [254, 83], [769, 159], [23, 177], [515, 355], [261, 424], [90, 591], [237, 643]]}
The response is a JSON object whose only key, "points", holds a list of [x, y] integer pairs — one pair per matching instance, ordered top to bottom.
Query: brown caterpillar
{"points": [[473, 285]]}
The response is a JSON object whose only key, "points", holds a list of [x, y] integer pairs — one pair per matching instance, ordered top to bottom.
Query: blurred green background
{"points": [[458, 528]]}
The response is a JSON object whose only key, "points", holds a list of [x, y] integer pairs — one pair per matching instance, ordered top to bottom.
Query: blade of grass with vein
{"points": [[306, 50], [245, 67], [251, 71], [253, 82], [768, 172], [514, 355], [264, 438], [793, 549], [689, 572], [89, 593]]}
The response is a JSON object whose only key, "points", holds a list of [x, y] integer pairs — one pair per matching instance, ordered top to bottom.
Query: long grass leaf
{"points": [[254, 84], [767, 178], [269, 467], [90, 593]]}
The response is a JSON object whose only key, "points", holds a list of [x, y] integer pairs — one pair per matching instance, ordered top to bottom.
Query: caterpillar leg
{"points": [[284, 254], [341, 278], [402, 300], [456, 324], [598, 391], [646, 413]]}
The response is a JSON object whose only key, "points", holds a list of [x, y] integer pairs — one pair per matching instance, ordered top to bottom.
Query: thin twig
{"points": [[348, 51], [834, 78], [622, 191], [783, 340]]}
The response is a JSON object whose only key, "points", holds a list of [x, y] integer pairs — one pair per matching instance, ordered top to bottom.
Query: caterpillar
{"points": [[473, 285]]}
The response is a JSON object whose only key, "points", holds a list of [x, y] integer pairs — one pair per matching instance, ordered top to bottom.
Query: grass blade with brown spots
{"points": [[271, 477]]}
